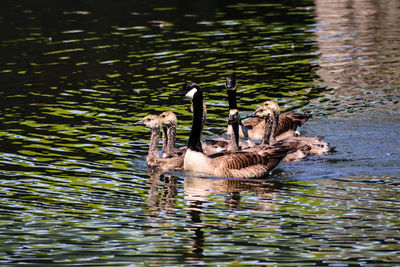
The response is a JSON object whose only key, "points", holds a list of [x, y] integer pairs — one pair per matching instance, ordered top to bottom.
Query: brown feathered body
{"points": [[254, 128], [300, 146], [240, 164]]}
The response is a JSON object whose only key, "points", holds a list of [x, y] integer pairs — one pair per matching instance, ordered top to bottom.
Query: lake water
{"points": [[76, 75]]}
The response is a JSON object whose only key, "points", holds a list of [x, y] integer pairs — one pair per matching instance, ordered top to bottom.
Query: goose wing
{"points": [[290, 121], [249, 164]]}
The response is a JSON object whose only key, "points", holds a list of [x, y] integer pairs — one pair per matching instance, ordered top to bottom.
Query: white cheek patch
{"points": [[191, 93]]}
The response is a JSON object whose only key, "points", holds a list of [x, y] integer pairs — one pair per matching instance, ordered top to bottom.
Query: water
{"points": [[75, 188]]}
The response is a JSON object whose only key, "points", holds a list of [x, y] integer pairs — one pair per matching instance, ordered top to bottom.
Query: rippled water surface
{"points": [[76, 75]]}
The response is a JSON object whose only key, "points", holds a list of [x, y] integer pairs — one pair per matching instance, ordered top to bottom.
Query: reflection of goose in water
{"points": [[199, 188], [198, 191], [162, 192]]}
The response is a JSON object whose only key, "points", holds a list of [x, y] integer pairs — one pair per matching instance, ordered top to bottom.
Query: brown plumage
{"points": [[287, 121], [169, 122], [254, 128], [234, 143], [301, 146], [153, 160], [226, 164]]}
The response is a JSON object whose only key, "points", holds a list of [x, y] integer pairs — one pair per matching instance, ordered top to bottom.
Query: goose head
{"points": [[230, 82], [190, 90], [273, 106], [262, 111], [234, 116], [167, 118], [150, 121]]}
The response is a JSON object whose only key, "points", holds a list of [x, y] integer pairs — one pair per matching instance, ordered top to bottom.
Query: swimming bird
{"points": [[287, 121], [169, 122], [245, 129], [302, 146], [153, 160], [225, 164]]}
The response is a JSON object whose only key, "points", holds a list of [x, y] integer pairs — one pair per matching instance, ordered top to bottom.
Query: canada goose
{"points": [[234, 120], [287, 121], [169, 122], [254, 128], [245, 130], [302, 146], [153, 160], [226, 164]]}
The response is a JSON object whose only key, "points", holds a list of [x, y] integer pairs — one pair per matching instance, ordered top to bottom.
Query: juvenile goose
{"points": [[288, 121], [169, 122], [302, 146], [299, 149], [153, 160], [226, 164]]}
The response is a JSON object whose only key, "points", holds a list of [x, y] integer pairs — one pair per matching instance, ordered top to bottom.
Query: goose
{"points": [[287, 121], [169, 122], [246, 128], [254, 128], [302, 146], [153, 160], [238, 164]]}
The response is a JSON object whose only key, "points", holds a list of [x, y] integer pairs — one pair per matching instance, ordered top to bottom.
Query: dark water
{"points": [[76, 75]]}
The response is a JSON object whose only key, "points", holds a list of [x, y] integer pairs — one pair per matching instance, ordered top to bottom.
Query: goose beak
{"points": [[230, 84], [253, 114], [139, 123]]}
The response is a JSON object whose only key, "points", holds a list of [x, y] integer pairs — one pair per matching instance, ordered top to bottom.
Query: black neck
{"points": [[232, 99], [197, 124]]}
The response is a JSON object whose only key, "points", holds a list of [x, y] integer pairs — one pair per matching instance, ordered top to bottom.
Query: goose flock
{"points": [[254, 148]]}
